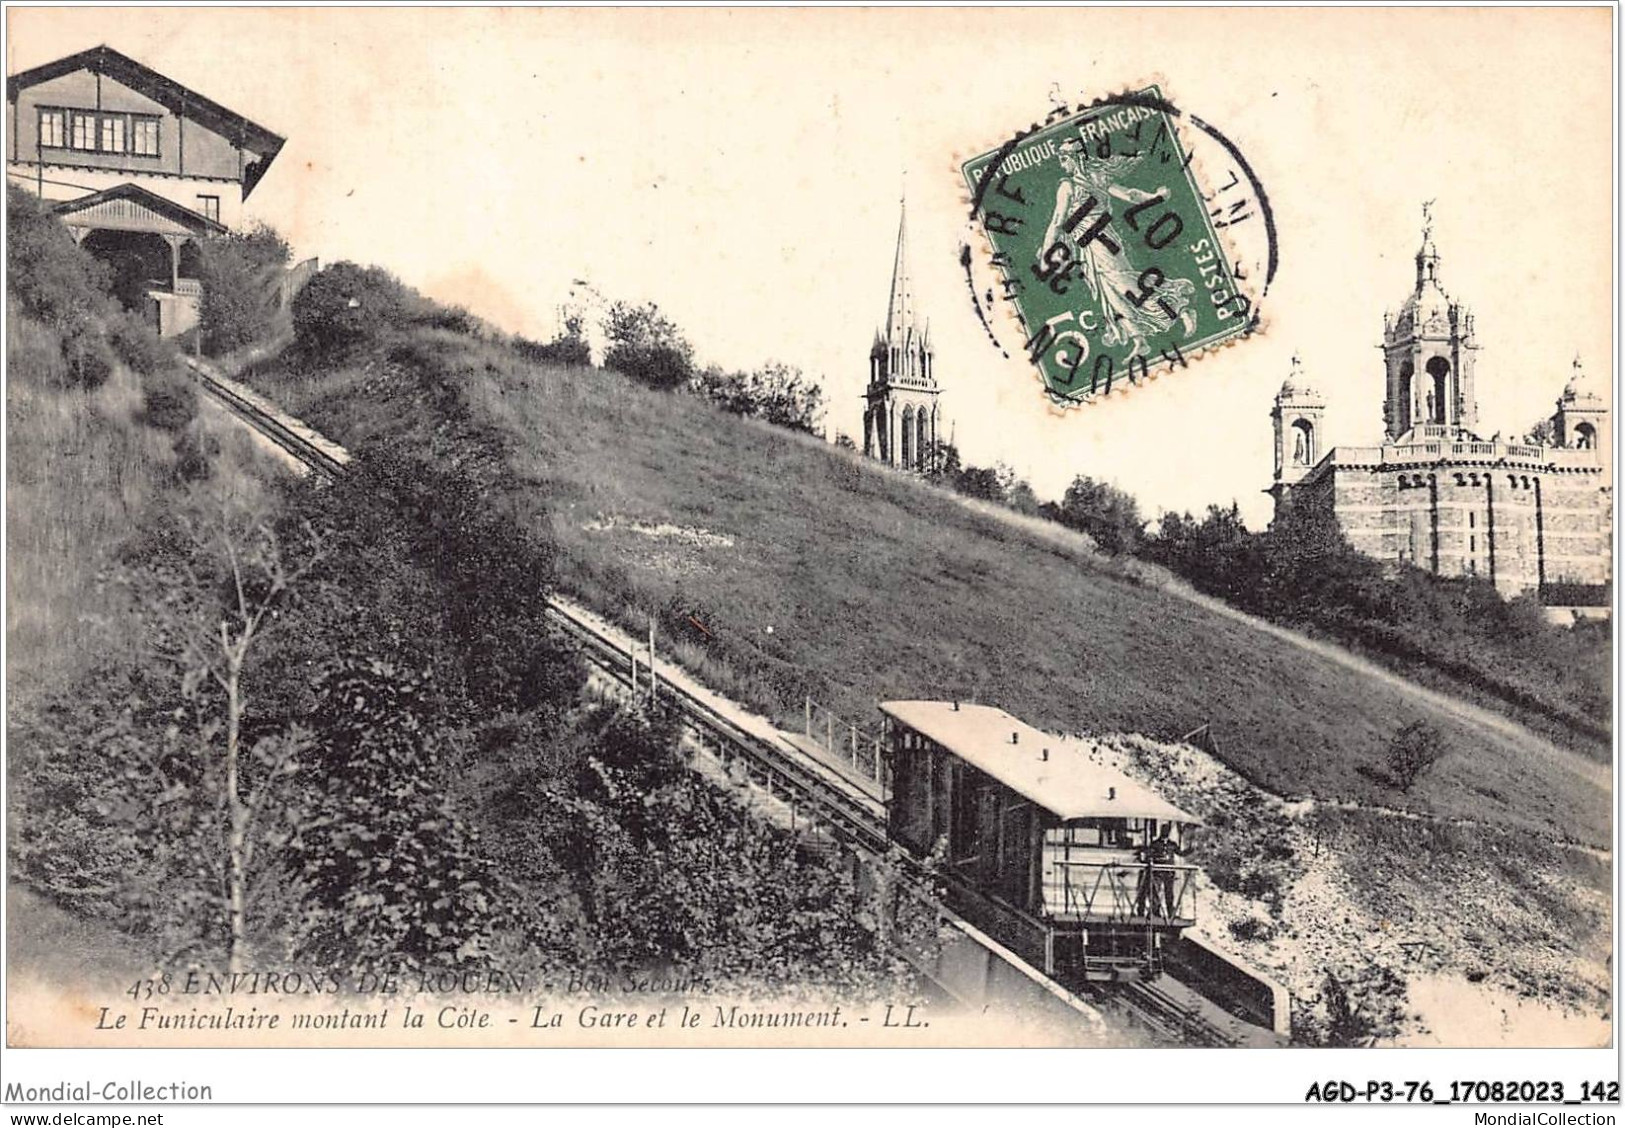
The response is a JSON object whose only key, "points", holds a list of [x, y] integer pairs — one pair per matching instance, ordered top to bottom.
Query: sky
{"points": [[743, 169]]}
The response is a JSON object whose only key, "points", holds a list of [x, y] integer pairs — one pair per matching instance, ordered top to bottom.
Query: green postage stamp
{"points": [[1107, 248]]}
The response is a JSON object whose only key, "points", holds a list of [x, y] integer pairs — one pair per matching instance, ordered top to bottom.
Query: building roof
{"points": [[166, 92], [177, 213], [1428, 302], [1297, 385], [1579, 386], [1067, 783]]}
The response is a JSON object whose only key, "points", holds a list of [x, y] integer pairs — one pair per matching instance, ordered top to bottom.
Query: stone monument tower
{"points": [[1429, 350]]}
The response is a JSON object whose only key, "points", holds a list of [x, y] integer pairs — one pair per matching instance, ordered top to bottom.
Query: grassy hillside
{"points": [[83, 468], [778, 565]]}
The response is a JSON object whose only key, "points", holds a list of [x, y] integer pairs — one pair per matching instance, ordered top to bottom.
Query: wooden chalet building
{"points": [[139, 167]]}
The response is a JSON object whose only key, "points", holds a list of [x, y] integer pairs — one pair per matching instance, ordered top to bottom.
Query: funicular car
{"points": [[1065, 860]]}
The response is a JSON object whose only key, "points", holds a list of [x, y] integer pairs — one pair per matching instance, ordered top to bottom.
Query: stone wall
{"points": [[1519, 527]]}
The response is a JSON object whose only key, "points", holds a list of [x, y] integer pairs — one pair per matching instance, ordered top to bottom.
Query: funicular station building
{"points": [[140, 168], [1065, 860]]}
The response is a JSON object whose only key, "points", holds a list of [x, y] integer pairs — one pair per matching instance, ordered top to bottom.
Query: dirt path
{"points": [[1485, 720], [1599, 775], [1304, 806]]}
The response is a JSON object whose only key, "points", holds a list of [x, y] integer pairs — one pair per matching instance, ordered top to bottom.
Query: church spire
{"points": [[900, 313], [902, 417]]}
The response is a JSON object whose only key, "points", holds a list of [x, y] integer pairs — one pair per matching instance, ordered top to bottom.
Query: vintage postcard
{"points": [[867, 529]]}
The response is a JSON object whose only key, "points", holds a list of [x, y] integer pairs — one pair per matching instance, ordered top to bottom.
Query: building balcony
{"points": [[181, 287], [1480, 453]]}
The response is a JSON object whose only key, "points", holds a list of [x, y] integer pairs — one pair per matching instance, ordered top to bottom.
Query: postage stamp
{"points": [[1108, 249]]}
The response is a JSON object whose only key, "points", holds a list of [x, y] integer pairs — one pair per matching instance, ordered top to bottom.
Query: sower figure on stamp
{"points": [[1102, 259]]}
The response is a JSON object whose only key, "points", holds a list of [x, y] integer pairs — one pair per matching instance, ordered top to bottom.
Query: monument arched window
{"points": [[1439, 369], [1585, 436], [1303, 443]]}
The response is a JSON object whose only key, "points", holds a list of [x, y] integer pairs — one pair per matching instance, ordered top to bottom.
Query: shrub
{"points": [[241, 274], [53, 277], [347, 305], [453, 319], [138, 344], [646, 345], [567, 349], [88, 358], [169, 401], [194, 455], [1413, 750], [390, 870], [1252, 928], [1356, 1009]]}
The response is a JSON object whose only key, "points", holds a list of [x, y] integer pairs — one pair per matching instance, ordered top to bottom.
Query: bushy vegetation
{"points": [[241, 273], [49, 275], [345, 306], [646, 345], [139, 346], [570, 347], [780, 394], [169, 401], [1110, 516], [1302, 572], [346, 732], [1415, 748], [100, 793], [1367, 1006]]}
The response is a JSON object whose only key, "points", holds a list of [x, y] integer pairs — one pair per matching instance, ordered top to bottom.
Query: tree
{"points": [[241, 273], [347, 305], [646, 345], [780, 394], [783, 395], [1543, 432], [942, 463], [980, 482], [1016, 492], [1109, 515], [219, 581], [1412, 751]]}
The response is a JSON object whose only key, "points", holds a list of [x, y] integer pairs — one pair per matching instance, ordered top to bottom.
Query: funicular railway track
{"points": [[832, 805]]}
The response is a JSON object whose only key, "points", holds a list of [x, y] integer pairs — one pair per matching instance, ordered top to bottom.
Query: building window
{"points": [[53, 129], [82, 131], [87, 131], [113, 133], [144, 133], [209, 206]]}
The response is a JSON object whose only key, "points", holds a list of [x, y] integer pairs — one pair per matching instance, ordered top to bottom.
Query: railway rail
{"points": [[833, 804]]}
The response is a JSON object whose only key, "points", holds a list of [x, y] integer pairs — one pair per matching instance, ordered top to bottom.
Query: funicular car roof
{"points": [[1068, 783]]}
